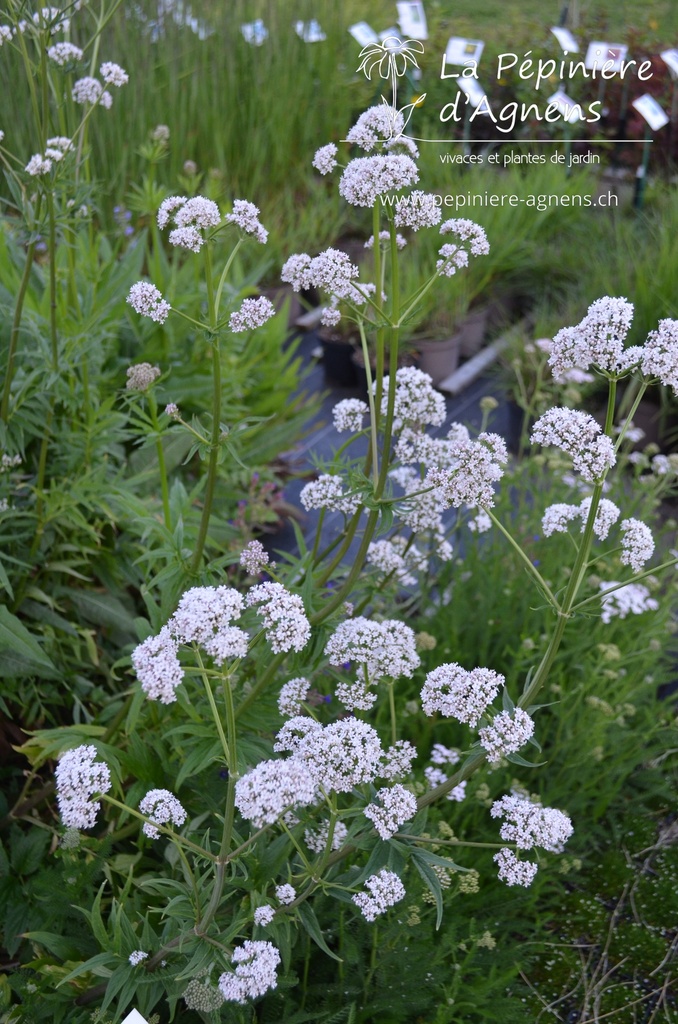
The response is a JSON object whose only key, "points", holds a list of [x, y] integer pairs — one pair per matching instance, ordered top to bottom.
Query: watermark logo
{"points": [[391, 58]]}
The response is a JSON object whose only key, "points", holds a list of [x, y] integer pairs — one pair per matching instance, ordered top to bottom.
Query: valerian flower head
{"points": [[64, 53], [113, 74], [90, 90], [376, 125], [325, 158], [38, 165], [366, 178], [417, 210], [245, 215], [468, 232], [384, 239], [147, 300], [253, 313], [598, 340], [660, 354], [141, 376], [417, 403], [348, 415], [579, 436], [476, 467], [327, 492], [637, 544], [254, 558], [633, 599], [205, 615], [285, 622], [385, 648], [157, 666], [458, 693], [292, 696], [506, 734], [342, 755], [78, 778], [265, 792], [396, 806], [162, 807], [528, 824], [316, 839], [514, 871], [385, 890], [286, 894], [264, 915], [137, 957], [255, 972]]}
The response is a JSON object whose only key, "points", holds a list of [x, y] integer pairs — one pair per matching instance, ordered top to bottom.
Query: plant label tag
{"points": [[412, 19], [309, 31], [254, 32], [363, 33], [567, 41], [463, 51], [607, 55], [670, 57], [474, 90], [566, 106], [650, 111], [134, 1018]]}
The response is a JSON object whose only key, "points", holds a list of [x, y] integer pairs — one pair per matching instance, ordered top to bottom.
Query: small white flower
{"points": [[63, 53], [113, 74], [38, 165], [246, 216], [348, 415], [637, 544], [285, 622], [457, 693], [506, 735], [78, 777], [398, 805], [161, 807], [514, 871], [385, 890], [286, 893], [264, 915], [137, 957], [254, 974]]}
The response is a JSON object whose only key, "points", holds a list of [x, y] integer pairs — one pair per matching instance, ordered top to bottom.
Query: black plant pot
{"points": [[338, 360]]}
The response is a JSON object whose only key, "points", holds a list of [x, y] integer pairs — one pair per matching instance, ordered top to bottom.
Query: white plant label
{"points": [[412, 19], [567, 41], [605, 55], [650, 111]]}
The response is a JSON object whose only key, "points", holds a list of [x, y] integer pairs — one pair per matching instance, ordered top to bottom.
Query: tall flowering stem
{"points": [[216, 417]]}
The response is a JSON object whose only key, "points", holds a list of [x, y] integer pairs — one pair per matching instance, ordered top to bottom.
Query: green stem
{"points": [[224, 274], [378, 302], [14, 332], [370, 399], [216, 421], [162, 465], [532, 569], [619, 586], [213, 707], [394, 719], [161, 828]]}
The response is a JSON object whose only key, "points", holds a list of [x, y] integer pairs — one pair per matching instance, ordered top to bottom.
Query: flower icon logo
{"points": [[391, 59]]}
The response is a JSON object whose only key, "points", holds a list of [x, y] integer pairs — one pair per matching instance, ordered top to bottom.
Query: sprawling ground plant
{"points": [[275, 775]]}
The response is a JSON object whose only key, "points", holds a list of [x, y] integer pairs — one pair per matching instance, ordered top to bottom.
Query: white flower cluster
{"points": [[5, 34], [63, 53], [113, 74], [90, 90], [376, 125], [325, 159], [38, 165], [368, 177], [417, 210], [245, 215], [191, 217], [385, 237], [331, 270], [147, 300], [253, 313], [598, 339], [141, 376], [417, 403], [348, 415], [579, 436], [477, 467], [327, 492], [556, 517], [480, 523], [637, 544], [254, 557], [397, 558], [633, 599], [204, 616], [285, 622], [385, 648], [457, 693], [292, 696], [293, 732], [506, 734], [342, 755], [442, 756], [397, 761], [78, 777], [269, 789], [398, 805], [162, 807], [528, 824], [316, 839], [514, 871], [385, 890], [286, 894], [264, 915], [137, 957], [255, 973]]}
